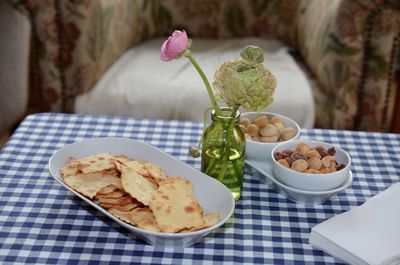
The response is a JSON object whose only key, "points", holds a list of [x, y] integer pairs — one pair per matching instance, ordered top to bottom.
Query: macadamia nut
{"points": [[261, 122], [267, 130], [299, 165]]}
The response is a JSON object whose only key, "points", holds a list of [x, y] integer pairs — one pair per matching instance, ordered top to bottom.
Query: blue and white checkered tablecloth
{"points": [[41, 222]]}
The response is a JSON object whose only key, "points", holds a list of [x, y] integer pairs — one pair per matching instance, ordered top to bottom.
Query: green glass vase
{"points": [[223, 148]]}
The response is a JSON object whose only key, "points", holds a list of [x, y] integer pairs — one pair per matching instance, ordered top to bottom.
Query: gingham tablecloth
{"points": [[41, 222]]}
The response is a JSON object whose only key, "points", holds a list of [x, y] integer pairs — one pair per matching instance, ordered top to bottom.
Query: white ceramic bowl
{"points": [[262, 151], [263, 171], [311, 182], [211, 194]]}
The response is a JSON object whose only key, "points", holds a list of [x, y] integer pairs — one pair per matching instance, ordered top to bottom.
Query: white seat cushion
{"points": [[139, 84]]}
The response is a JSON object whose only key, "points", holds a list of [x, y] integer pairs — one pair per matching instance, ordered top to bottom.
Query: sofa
{"points": [[346, 49]]}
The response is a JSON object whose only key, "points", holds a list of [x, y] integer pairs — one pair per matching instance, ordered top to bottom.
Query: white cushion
{"points": [[139, 84]]}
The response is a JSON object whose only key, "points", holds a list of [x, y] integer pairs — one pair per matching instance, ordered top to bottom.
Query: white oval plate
{"points": [[263, 170], [212, 195]]}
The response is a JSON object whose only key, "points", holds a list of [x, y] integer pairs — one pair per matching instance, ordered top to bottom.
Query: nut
{"points": [[275, 120], [245, 122], [261, 122], [280, 128], [252, 130], [269, 130], [288, 133], [269, 139], [300, 145], [305, 149], [313, 153], [326, 161], [283, 162], [315, 163], [299, 165], [327, 170], [312, 171]]}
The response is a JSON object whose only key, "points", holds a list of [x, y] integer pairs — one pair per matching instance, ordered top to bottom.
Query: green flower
{"points": [[245, 82]]}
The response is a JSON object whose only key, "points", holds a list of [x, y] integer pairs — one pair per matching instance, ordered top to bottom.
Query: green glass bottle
{"points": [[223, 148]]}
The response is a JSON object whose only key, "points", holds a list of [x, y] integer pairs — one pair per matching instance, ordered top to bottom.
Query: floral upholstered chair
{"points": [[347, 49]]}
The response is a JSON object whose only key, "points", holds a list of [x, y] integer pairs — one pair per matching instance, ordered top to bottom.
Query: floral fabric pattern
{"points": [[347, 47]]}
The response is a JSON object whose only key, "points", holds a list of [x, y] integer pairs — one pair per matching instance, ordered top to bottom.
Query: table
{"points": [[41, 222]]}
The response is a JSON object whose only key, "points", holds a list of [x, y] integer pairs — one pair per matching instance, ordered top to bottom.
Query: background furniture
{"points": [[347, 48], [14, 65], [41, 222]]}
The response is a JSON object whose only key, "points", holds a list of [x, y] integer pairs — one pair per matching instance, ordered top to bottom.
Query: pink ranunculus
{"points": [[174, 46]]}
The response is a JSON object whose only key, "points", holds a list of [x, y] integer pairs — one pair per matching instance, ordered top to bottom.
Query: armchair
{"points": [[347, 49]]}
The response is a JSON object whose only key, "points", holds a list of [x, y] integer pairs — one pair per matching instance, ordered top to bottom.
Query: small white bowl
{"points": [[262, 151], [263, 171], [311, 182]]}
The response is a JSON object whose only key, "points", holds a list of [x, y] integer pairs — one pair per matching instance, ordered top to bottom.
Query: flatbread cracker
{"points": [[96, 163], [135, 165], [70, 168], [155, 172], [90, 184], [136, 185], [107, 190], [112, 195], [124, 200], [175, 206], [123, 208], [124, 216], [143, 218], [210, 220]]}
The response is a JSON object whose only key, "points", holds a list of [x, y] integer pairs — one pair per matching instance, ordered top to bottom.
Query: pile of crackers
{"points": [[138, 193]]}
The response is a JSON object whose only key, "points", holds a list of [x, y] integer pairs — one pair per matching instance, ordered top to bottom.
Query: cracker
{"points": [[96, 163], [135, 165], [70, 168], [155, 172], [90, 184], [136, 185], [107, 190], [112, 195], [126, 199], [175, 206], [122, 208], [124, 216], [143, 218], [210, 220]]}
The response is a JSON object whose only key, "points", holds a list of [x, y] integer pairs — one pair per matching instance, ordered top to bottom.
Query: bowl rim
{"points": [[297, 127], [296, 141], [348, 180]]}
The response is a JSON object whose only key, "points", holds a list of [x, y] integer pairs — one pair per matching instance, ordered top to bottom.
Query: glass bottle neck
{"points": [[226, 116]]}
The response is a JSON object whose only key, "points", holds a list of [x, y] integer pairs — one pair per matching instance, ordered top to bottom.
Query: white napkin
{"points": [[368, 234]]}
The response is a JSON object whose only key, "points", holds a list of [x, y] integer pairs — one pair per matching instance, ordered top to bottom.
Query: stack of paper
{"points": [[368, 234]]}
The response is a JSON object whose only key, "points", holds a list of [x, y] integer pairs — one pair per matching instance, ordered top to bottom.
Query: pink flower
{"points": [[174, 46]]}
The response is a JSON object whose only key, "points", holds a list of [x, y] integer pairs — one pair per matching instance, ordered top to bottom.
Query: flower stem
{"points": [[214, 104], [226, 147]]}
